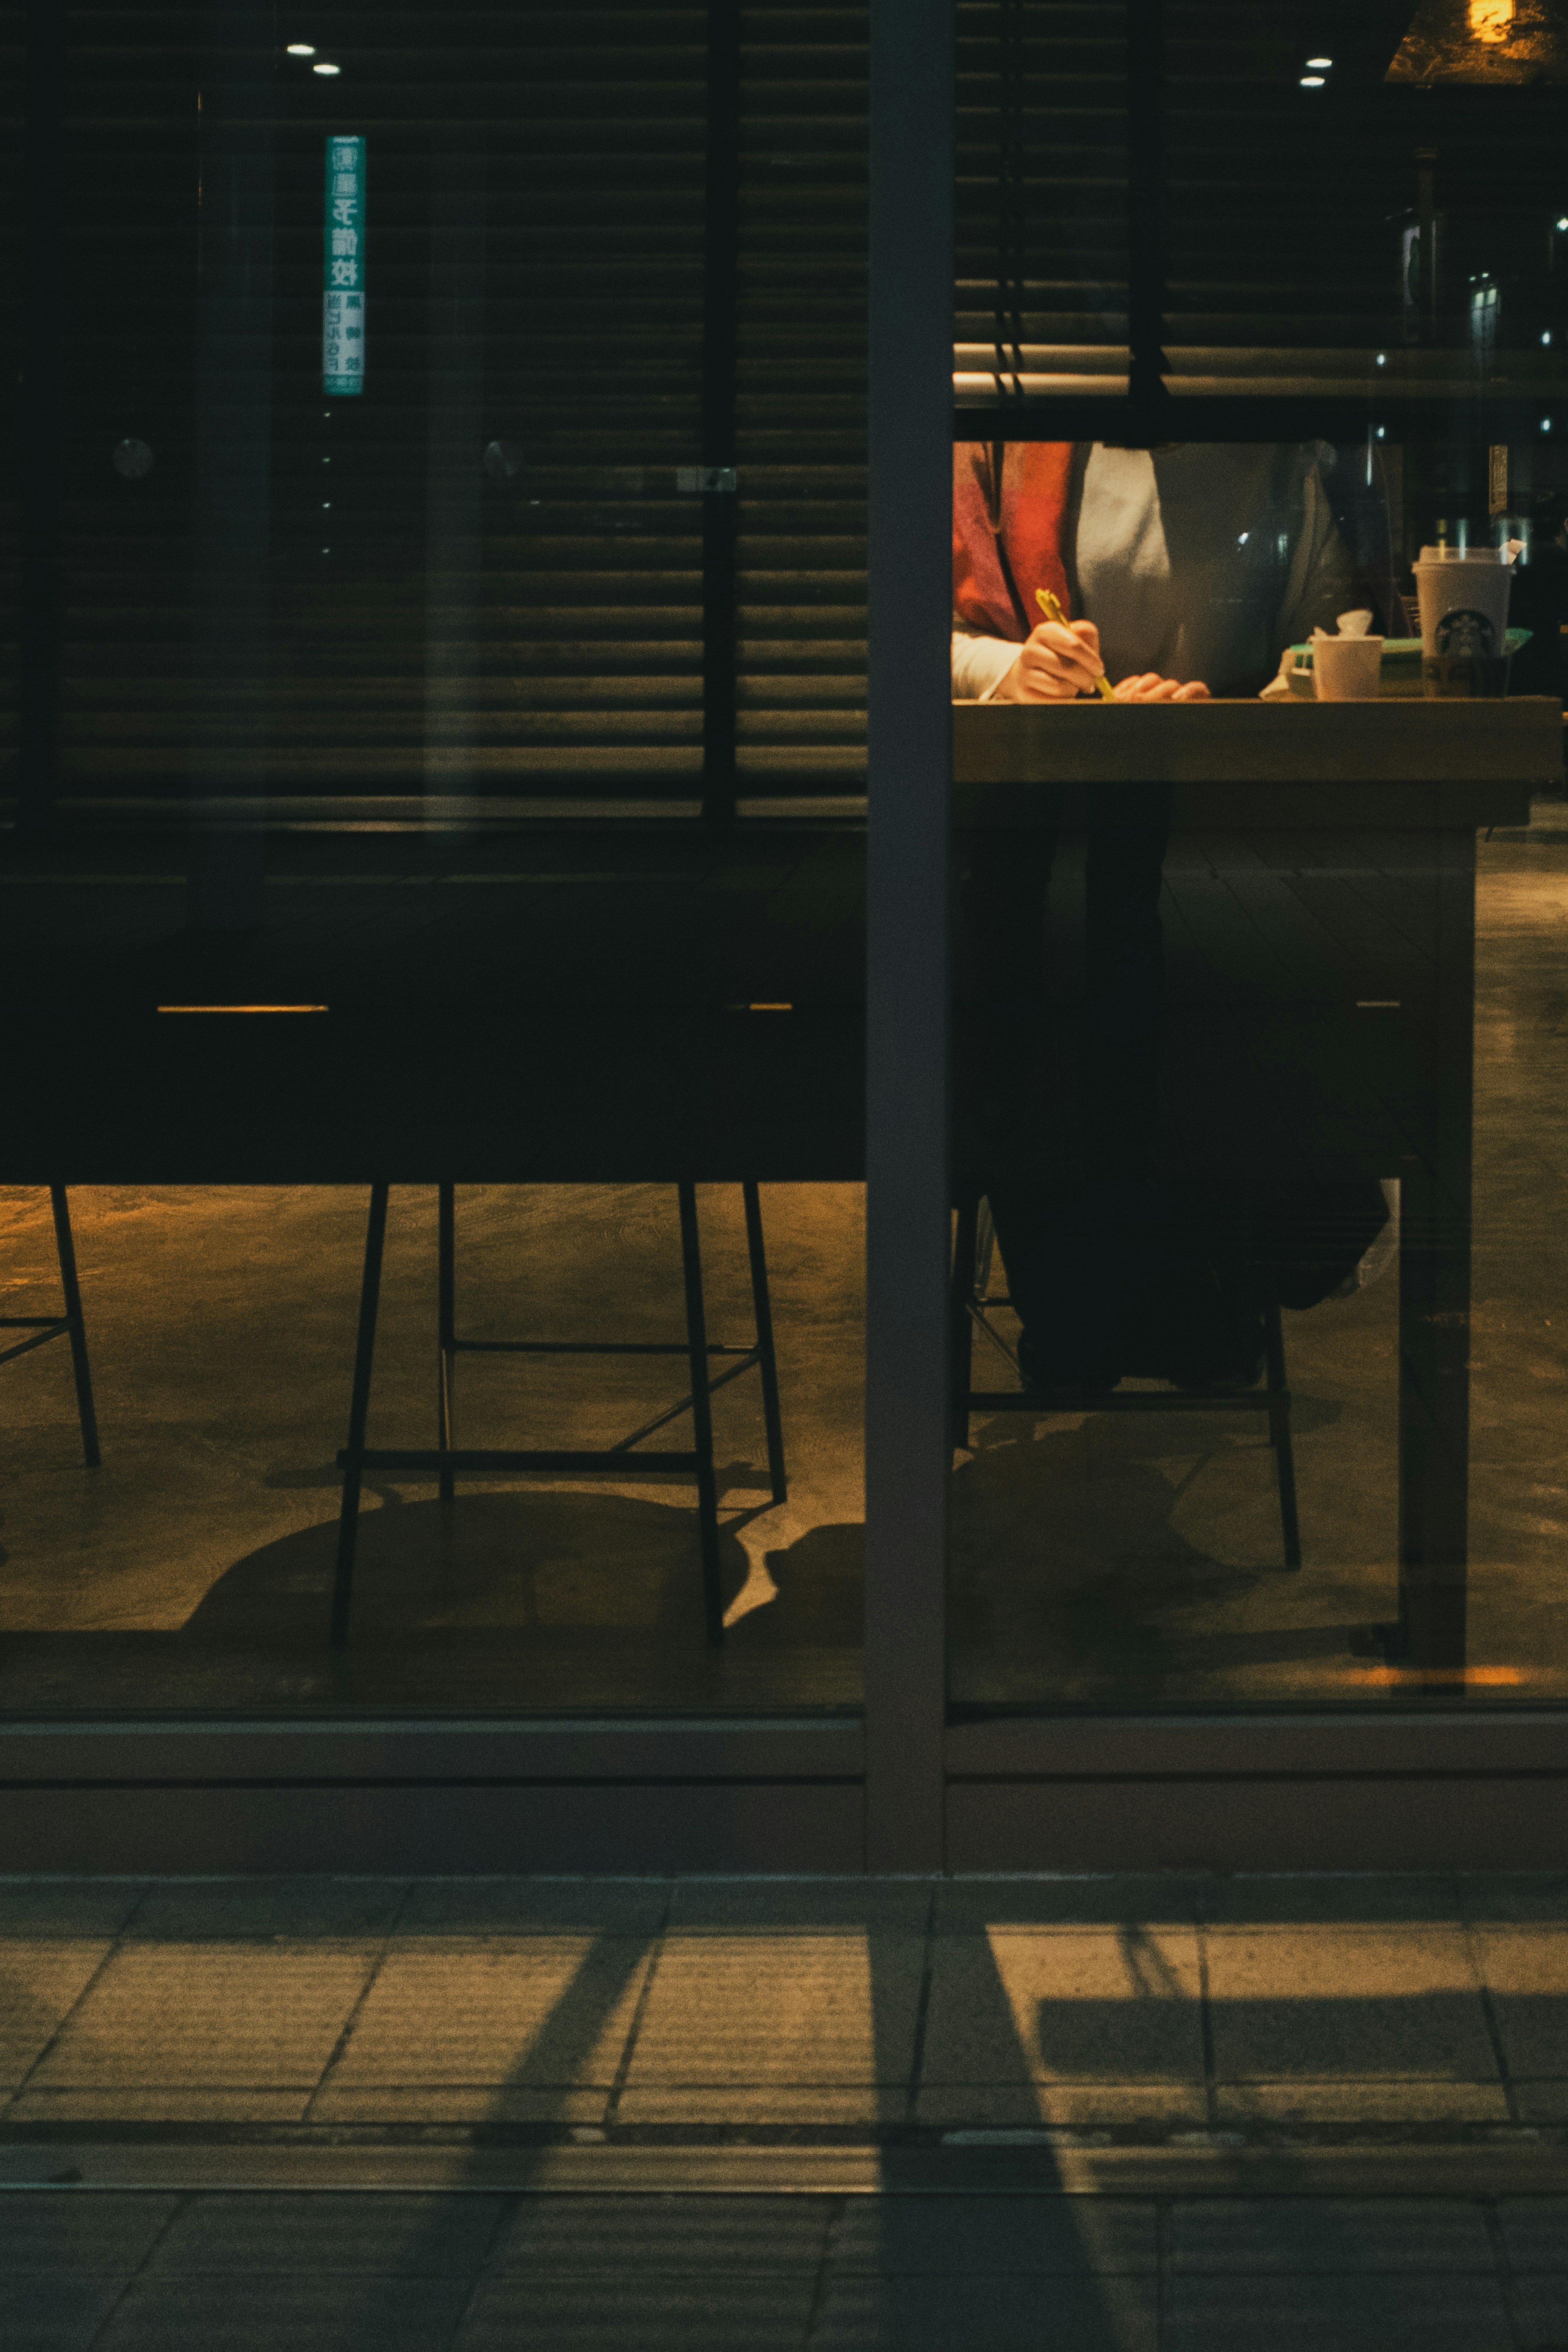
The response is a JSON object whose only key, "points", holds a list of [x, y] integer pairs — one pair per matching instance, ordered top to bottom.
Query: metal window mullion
{"points": [[907, 1445]]}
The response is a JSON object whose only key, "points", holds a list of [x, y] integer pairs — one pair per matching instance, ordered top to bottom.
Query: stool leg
{"points": [[65, 1248], [447, 1319], [961, 1331], [767, 1363], [358, 1413], [702, 1413], [1279, 1432]]}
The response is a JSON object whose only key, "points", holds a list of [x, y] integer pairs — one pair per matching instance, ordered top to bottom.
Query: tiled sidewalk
{"points": [[1145, 2009], [884, 2106], [129, 2273]]}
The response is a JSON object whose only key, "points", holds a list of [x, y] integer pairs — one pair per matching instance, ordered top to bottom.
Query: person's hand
{"points": [[1055, 663], [1150, 686]]}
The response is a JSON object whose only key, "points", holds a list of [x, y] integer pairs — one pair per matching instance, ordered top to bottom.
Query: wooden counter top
{"points": [[1396, 765]]}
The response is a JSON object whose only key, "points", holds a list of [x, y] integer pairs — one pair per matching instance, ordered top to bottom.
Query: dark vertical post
{"points": [[1146, 202], [721, 239], [1426, 248], [1012, 264], [40, 435], [233, 469], [454, 535], [66, 1249], [1434, 1290], [446, 1327], [767, 1358], [702, 1412], [907, 1441], [353, 1455]]}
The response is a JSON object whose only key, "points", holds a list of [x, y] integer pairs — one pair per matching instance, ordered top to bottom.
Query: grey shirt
{"points": [[1203, 561]]}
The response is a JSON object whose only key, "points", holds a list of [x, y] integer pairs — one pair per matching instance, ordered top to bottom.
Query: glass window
{"points": [[444, 832], [1258, 1380]]}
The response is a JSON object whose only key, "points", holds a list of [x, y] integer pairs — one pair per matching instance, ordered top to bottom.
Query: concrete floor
{"points": [[1096, 1561], [1132, 1562], [193, 1568], [1097, 2115]]}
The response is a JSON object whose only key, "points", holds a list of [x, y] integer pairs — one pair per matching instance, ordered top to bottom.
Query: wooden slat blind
{"points": [[12, 34], [1271, 232], [1042, 243], [801, 447], [482, 577]]}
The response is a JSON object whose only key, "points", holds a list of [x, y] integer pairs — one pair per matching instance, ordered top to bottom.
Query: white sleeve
{"points": [[980, 664]]}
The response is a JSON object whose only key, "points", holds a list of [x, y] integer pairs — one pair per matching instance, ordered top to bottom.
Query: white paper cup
{"points": [[1463, 600], [1345, 669]]}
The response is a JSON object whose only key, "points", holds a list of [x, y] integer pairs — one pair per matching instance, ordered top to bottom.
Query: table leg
{"points": [[1435, 1289]]}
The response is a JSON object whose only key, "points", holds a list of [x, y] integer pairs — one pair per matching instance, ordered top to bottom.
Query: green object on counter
{"points": [[1401, 670]]}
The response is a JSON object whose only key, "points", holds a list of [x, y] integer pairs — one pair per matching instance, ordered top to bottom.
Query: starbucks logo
{"points": [[1464, 636]]}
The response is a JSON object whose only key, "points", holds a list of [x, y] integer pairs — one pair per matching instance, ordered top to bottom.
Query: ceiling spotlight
{"points": [[301, 49], [1319, 65], [327, 70], [1309, 82], [1564, 221], [1546, 337], [1382, 359], [1546, 424]]}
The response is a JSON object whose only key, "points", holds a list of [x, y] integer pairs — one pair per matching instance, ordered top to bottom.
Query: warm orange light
{"points": [[1490, 20], [245, 1008], [1399, 1678]]}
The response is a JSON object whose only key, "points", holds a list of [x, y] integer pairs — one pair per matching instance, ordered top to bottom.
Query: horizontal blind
{"points": [[13, 37], [1292, 192], [1042, 200], [1279, 244], [800, 401], [481, 574], [484, 576], [129, 697]]}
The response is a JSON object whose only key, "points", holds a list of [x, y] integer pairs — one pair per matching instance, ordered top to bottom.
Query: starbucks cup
{"points": [[1463, 600]]}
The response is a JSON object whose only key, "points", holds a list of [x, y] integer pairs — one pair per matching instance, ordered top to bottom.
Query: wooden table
{"points": [[1438, 771]]}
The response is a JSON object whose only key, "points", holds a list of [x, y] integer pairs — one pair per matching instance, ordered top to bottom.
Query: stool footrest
{"points": [[43, 1328], [592, 1348], [506, 1457]]}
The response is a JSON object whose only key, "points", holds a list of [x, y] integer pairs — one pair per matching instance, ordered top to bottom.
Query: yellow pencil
{"points": [[1051, 608]]}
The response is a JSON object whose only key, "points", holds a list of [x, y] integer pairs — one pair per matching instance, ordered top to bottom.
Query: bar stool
{"points": [[973, 1303], [45, 1327], [448, 1461]]}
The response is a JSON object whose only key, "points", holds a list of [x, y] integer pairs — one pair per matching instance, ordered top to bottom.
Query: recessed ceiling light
{"points": [[301, 49], [1319, 65], [327, 70], [1309, 82], [1564, 221], [1546, 337], [1382, 359], [1546, 424]]}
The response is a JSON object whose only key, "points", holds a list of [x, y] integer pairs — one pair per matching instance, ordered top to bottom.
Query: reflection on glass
{"points": [[491, 694], [1200, 1072], [1258, 1381], [194, 1569]]}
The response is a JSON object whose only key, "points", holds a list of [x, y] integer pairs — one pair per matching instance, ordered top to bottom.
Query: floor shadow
{"points": [[531, 1561]]}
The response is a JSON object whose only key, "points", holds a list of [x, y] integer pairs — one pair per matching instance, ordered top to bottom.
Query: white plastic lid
{"points": [[1462, 555]]}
